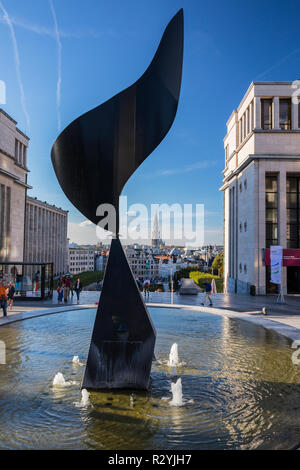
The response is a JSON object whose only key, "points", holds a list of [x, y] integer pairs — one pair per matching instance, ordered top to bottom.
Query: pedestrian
{"points": [[36, 279], [18, 283], [72, 285], [146, 288], [60, 289], [66, 289], [78, 289], [208, 291], [10, 295], [3, 298]]}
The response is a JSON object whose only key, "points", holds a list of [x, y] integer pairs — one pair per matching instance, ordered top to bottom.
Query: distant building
{"points": [[13, 187], [261, 188], [46, 234], [81, 260], [101, 260], [142, 262]]}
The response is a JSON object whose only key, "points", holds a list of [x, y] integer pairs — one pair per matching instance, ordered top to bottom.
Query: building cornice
{"points": [[8, 116], [22, 133], [253, 157], [13, 158], [15, 178], [37, 202]]}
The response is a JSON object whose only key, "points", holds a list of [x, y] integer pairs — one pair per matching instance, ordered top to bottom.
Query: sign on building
{"points": [[276, 263]]}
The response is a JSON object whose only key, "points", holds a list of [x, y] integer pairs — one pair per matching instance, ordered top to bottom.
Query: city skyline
{"points": [[46, 46]]}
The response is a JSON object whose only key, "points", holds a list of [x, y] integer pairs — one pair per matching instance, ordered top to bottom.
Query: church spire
{"points": [[155, 232]]}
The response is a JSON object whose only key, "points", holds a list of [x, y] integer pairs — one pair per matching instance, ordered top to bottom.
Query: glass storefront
{"points": [[31, 280]]}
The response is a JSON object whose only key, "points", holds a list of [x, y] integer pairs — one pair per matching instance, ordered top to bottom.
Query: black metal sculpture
{"points": [[93, 158]]}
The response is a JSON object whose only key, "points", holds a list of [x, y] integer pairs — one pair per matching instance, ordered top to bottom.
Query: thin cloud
{"points": [[44, 31], [59, 59], [17, 62], [277, 64], [187, 169]]}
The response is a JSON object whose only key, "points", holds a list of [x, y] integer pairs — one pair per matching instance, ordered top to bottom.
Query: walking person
{"points": [[36, 279], [18, 283], [72, 285], [146, 288], [60, 289], [66, 289], [78, 289], [208, 292], [10, 295], [3, 298]]}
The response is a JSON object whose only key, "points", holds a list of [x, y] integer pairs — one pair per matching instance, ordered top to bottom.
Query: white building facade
{"points": [[13, 188], [261, 188], [46, 235], [81, 260]]}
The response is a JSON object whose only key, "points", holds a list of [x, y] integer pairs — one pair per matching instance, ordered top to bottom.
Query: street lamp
{"points": [[171, 282]]}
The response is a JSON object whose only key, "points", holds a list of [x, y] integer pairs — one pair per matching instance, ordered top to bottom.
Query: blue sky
{"points": [[97, 48]]}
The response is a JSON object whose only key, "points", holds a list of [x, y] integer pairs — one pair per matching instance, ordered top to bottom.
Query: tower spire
{"points": [[155, 232]]}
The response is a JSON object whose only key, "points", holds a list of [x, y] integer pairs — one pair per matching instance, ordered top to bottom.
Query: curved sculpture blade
{"points": [[98, 152]]}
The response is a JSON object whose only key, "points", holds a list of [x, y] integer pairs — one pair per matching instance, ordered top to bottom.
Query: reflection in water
{"points": [[240, 387]]}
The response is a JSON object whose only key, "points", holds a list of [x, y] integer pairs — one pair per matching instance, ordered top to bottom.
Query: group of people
{"points": [[65, 286], [7, 293]]}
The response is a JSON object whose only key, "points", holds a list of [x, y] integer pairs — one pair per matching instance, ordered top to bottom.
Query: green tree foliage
{"points": [[218, 263]]}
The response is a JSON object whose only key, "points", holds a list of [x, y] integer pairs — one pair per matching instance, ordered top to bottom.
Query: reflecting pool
{"points": [[240, 388]]}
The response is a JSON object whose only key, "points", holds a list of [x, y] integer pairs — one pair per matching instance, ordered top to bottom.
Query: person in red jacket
{"points": [[3, 298]]}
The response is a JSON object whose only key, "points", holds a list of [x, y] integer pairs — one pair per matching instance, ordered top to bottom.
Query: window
{"points": [[266, 114], [285, 114], [226, 153], [245, 184], [5, 197], [293, 209], [271, 211], [245, 226]]}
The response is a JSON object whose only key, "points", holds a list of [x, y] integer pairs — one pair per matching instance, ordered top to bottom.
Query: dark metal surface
{"points": [[98, 152], [93, 158], [123, 339]]}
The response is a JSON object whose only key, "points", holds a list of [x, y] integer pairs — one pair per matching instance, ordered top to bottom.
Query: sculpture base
{"points": [[123, 339]]}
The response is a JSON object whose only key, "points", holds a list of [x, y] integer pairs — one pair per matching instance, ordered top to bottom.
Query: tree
{"points": [[218, 263]]}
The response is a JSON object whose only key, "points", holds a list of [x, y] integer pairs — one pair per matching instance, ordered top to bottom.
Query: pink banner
{"points": [[290, 257]]}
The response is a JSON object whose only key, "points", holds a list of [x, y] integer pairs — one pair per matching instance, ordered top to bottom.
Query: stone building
{"points": [[13, 187], [262, 188], [46, 235], [81, 260], [142, 262]]}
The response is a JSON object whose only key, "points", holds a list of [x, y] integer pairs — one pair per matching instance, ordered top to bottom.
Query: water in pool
{"points": [[240, 389]]}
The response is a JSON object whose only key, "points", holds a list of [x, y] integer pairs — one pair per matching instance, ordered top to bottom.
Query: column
{"points": [[294, 110], [257, 112], [276, 113], [250, 116], [247, 122], [243, 127], [240, 131], [282, 220], [260, 226]]}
